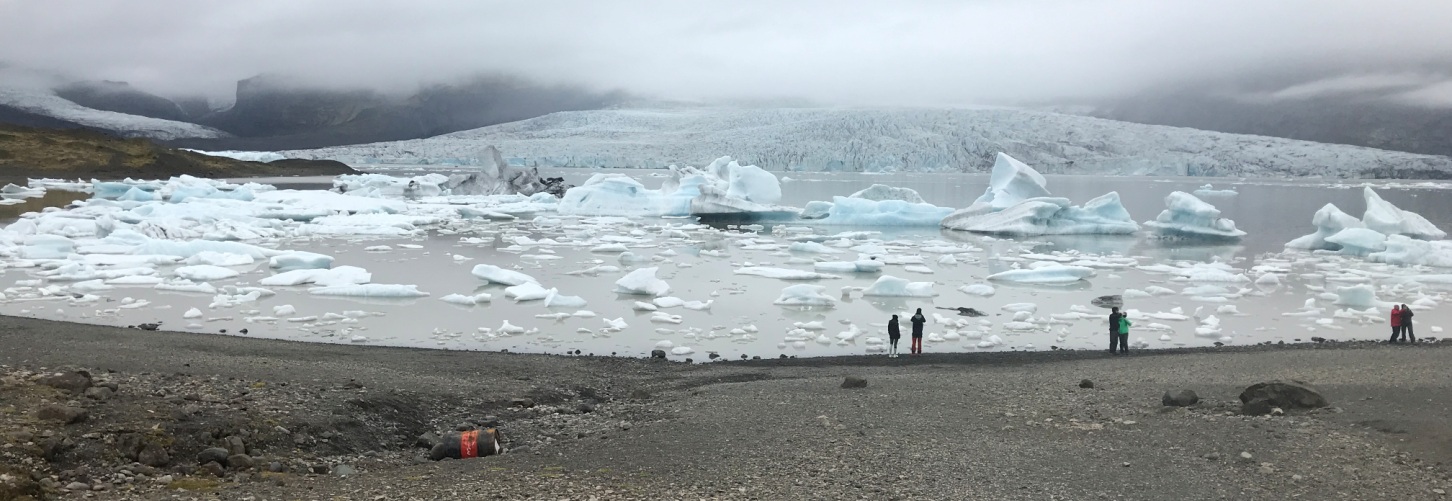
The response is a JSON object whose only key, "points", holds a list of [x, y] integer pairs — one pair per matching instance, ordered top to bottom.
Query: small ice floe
{"points": [[782, 273], [497, 275], [642, 282], [890, 286], [984, 290], [370, 291], [467, 300], [663, 317]]}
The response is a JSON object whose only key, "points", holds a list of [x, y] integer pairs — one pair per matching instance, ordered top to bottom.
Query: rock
{"points": [[657, 353], [75, 382], [854, 382], [1085, 383], [101, 393], [639, 395], [1261, 397], [1182, 398], [522, 402], [585, 408], [63, 413], [282, 430], [426, 441], [129, 445], [235, 445], [52, 447], [153, 455], [213, 455], [1213, 456], [1246, 456], [239, 461], [276, 467], [213, 468], [320, 469], [344, 470], [164, 479], [77, 486]]}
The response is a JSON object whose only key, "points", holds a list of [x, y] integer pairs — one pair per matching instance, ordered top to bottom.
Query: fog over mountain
{"points": [[1373, 73]]}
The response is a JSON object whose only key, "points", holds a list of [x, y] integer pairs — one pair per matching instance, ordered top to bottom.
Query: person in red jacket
{"points": [[1396, 322]]}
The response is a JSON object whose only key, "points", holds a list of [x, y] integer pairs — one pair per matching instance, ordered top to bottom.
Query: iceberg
{"points": [[495, 177], [1011, 182], [724, 187], [1209, 190], [881, 192], [816, 209], [865, 212], [1104, 215], [1189, 217], [1387, 219], [1329, 220], [1358, 241], [1406, 251], [299, 260], [861, 266], [205, 273], [1051, 274], [342, 275], [496, 275], [642, 282], [890, 286], [369, 291], [528, 291], [805, 295], [1361, 296], [461, 299], [553, 299]]}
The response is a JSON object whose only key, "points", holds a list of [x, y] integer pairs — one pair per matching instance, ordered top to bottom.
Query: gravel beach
{"points": [[314, 421]]}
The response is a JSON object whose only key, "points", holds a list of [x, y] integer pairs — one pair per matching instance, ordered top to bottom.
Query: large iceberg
{"points": [[495, 177], [724, 187], [881, 192], [1017, 202], [865, 212], [1104, 215], [1188, 216], [1387, 219], [1329, 220], [1358, 241], [1407, 251]]}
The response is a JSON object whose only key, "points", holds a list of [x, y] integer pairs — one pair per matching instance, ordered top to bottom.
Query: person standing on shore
{"points": [[918, 321], [1396, 322], [1407, 333], [893, 334], [1117, 340]]}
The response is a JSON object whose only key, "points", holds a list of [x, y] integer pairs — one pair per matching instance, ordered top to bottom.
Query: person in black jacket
{"points": [[918, 321], [1407, 324], [893, 334], [1118, 341]]}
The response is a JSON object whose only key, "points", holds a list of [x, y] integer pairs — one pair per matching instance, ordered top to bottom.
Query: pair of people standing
{"points": [[1401, 324], [1118, 332], [894, 333]]}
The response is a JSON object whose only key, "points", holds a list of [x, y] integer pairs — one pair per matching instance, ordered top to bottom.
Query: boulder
{"points": [[657, 353], [75, 382], [854, 382], [1085, 383], [101, 393], [1282, 394], [1182, 398], [63, 413], [426, 441], [153, 455], [213, 455], [239, 461]]}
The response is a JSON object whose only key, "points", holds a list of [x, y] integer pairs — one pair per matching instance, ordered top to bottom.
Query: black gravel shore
{"points": [[944, 426]]}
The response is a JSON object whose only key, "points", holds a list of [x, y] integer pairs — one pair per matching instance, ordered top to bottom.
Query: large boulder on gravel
{"points": [[75, 382], [854, 382], [1259, 397], [1182, 398], [63, 413], [153, 455], [213, 455]]}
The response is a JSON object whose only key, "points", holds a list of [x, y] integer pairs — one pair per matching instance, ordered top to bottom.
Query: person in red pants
{"points": [[918, 321], [1396, 322]]}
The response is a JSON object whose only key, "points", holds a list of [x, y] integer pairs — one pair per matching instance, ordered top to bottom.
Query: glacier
{"points": [[48, 104], [885, 139]]}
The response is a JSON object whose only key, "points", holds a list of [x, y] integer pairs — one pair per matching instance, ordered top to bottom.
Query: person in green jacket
{"points": [[1118, 332]]}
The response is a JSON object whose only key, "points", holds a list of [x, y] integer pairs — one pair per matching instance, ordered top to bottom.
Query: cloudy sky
{"points": [[836, 51]]}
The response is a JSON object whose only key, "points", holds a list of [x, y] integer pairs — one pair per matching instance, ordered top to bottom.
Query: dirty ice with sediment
{"points": [[707, 261]]}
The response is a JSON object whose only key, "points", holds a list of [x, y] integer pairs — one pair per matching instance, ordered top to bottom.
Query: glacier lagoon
{"points": [[731, 314]]}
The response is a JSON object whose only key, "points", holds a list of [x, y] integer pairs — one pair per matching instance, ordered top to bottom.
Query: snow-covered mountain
{"points": [[48, 104], [850, 139]]}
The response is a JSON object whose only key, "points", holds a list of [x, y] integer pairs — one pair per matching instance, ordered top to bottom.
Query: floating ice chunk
{"points": [[1011, 182], [1210, 191], [881, 192], [816, 209], [864, 212], [1104, 215], [1187, 216], [1387, 219], [1329, 220], [1358, 241], [46, 247], [812, 247], [609, 248], [187, 249], [1405, 251], [220, 259], [298, 260], [917, 268], [205, 273], [782, 273], [1052, 274], [342, 275], [497, 275], [1268, 279], [642, 282], [90, 286], [890, 286], [984, 290], [369, 291], [528, 291], [805, 295], [1360, 296], [462, 299], [556, 300], [698, 305], [644, 306], [1017, 307], [1227, 309], [283, 310], [192, 313], [663, 317], [617, 324], [508, 328], [682, 350]]}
